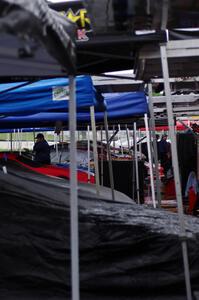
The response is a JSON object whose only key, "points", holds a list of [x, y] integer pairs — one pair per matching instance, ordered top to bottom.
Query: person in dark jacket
{"points": [[41, 150], [164, 151]]}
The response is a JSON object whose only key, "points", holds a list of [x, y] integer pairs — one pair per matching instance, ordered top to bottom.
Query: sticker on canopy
{"points": [[60, 93]]}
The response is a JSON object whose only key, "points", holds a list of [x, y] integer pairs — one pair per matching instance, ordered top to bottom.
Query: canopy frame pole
{"points": [[33, 135], [119, 136], [127, 136], [197, 140], [20, 141], [14, 142], [11, 144], [139, 145], [56, 146], [155, 148], [89, 153], [95, 153], [174, 153], [102, 158], [150, 160], [136, 163], [110, 165], [133, 167], [73, 192]]}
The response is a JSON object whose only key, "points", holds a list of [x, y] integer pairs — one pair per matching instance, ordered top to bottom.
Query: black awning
{"points": [[37, 47], [104, 53]]}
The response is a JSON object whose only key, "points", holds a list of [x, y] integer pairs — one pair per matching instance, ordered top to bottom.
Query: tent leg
{"points": [[127, 136], [197, 137], [120, 139], [11, 145], [88, 148], [95, 153], [174, 153], [102, 158], [150, 160], [136, 163], [110, 165], [133, 167], [158, 183], [73, 192]]}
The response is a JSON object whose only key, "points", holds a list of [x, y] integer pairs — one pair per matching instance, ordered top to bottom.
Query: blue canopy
{"points": [[49, 95], [120, 106]]}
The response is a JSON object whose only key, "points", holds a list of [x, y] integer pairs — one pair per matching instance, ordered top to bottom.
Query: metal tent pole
{"points": [[127, 136], [119, 137], [113, 139], [197, 141], [11, 145], [95, 153], [174, 153], [89, 157], [102, 158], [150, 160], [136, 163], [110, 165], [133, 167], [158, 184], [73, 192]]}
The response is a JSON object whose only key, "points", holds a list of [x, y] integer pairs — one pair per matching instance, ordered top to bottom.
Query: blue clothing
{"points": [[163, 146], [42, 152]]}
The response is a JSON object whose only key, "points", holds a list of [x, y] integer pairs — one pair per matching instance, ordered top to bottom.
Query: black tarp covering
{"points": [[27, 30], [107, 49], [187, 156], [123, 182], [126, 251]]}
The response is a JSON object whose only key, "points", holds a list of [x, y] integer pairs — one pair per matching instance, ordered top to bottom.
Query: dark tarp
{"points": [[32, 48], [106, 51], [187, 156], [126, 251]]}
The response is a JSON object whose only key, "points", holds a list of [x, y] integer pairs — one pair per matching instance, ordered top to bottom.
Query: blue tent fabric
{"points": [[47, 95], [119, 106]]}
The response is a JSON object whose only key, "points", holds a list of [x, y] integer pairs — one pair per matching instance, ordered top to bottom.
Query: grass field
{"points": [[25, 136]]}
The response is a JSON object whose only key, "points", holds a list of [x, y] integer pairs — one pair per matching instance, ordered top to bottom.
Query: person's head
{"points": [[39, 137], [157, 137], [164, 137]]}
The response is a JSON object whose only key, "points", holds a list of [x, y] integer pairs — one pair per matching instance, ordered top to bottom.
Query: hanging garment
{"points": [[192, 182]]}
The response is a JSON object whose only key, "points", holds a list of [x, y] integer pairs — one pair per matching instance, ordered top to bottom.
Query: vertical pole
{"points": [[34, 135], [119, 136], [127, 136], [113, 139], [20, 141], [197, 141], [11, 145], [140, 145], [56, 147], [88, 149], [95, 153], [174, 153], [102, 158], [150, 160], [136, 163], [110, 165], [133, 167], [158, 183], [73, 192]]}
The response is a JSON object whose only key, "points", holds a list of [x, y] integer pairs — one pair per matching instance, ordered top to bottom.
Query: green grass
{"points": [[26, 136]]}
